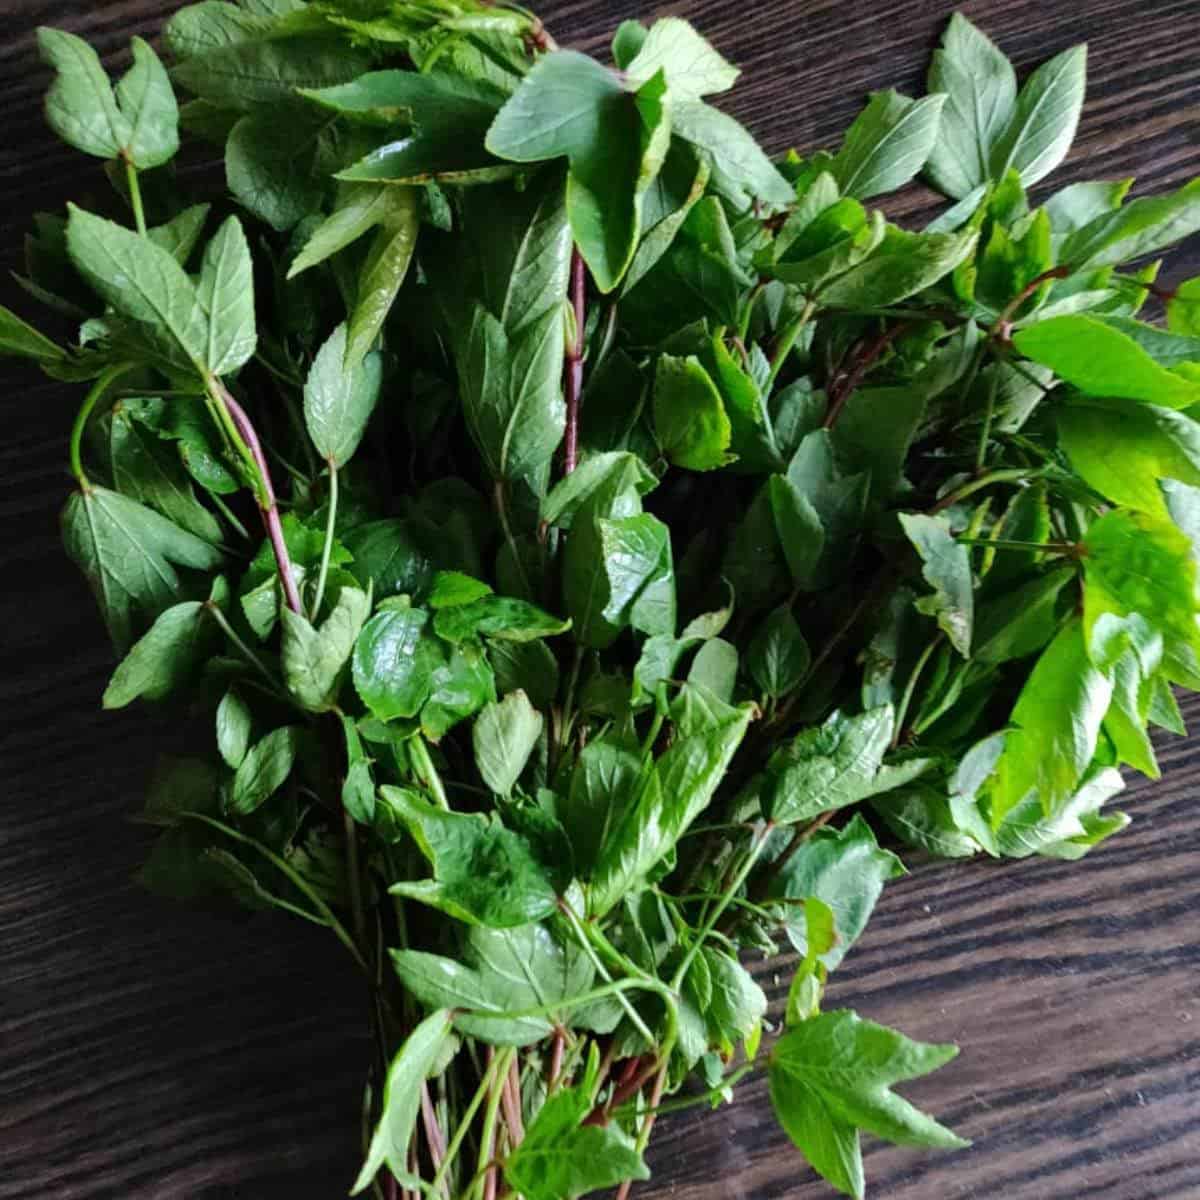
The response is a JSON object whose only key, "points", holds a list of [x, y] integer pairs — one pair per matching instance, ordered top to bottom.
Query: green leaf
{"points": [[210, 25], [627, 41], [692, 68], [249, 75], [981, 92], [1047, 115], [447, 116], [140, 123], [615, 139], [887, 145], [741, 171], [274, 178], [1077, 204], [360, 208], [1141, 227], [181, 234], [903, 264], [383, 275], [140, 280], [226, 294], [1183, 308], [21, 339], [1102, 361], [512, 396], [339, 399], [689, 416], [865, 444], [1123, 452], [615, 472], [129, 555], [392, 557], [1143, 564], [947, 569], [500, 617], [1020, 622], [778, 657], [163, 658], [313, 658], [393, 663], [526, 666], [459, 687], [234, 726], [1053, 729], [504, 737], [832, 765], [263, 771], [603, 787], [669, 798], [921, 816], [844, 869], [484, 874], [503, 970], [738, 1004], [424, 1048], [832, 1076], [561, 1158]]}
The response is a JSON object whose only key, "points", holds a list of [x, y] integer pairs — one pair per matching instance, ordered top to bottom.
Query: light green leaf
{"points": [[210, 25], [692, 68], [981, 91], [1047, 115], [140, 123], [887, 145], [741, 171], [1078, 204], [360, 208], [1141, 227], [181, 234], [902, 265], [383, 275], [140, 280], [226, 293], [1183, 308], [1103, 361], [339, 399], [689, 416], [1123, 452], [129, 554], [1136, 563], [947, 569], [501, 617], [163, 658], [313, 658], [393, 663], [715, 668], [234, 726], [1054, 729], [504, 737], [263, 771], [669, 798], [921, 816], [1072, 830], [844, 869], [484, 874], [503, 970], [425, 1047], [832, 1076], [561, 1158]]}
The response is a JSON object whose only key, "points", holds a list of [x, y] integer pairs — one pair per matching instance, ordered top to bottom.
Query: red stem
{"points": [[573, 370], [266, 503], [556, 1057], [511, 1099], [433, 1131]]}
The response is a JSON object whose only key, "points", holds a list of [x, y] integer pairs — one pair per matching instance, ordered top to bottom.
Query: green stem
{"points": [[135, 197], [747, 316], [786, 342], [90, 401], [989, 413], [1011, 475], [327, 549], [223, 621], [910, 688], [428, 773], [295, 879], [730, 893], [586, 943], [616, 987], [502, 1062], [674, 1106]]}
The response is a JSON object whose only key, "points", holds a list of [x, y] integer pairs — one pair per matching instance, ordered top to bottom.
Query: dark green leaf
{"points": [[275, 178], [383, 275], [19, 338], [164, 657], [778, 657], [394, 662], [234, 727], [484, 874]]}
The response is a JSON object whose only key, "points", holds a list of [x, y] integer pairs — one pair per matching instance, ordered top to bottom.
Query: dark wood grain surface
{"points": [[152, 1053]]}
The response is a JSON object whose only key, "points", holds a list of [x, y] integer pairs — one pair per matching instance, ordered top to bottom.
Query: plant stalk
{"points": [[573, 370]]}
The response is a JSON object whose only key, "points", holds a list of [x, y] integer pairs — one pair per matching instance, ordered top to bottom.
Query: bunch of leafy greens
{"points": [[587, 534]]}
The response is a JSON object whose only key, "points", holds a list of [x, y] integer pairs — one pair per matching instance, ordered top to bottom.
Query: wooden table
{"points": [[151, 1053]]}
